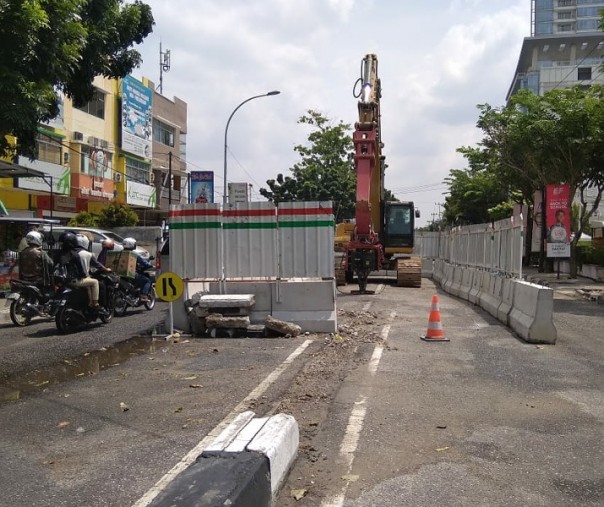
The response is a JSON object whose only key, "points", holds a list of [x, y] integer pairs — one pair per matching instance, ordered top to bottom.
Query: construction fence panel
{"points": [[306, 239], [250, 240], [195, 241], [427, 244]]}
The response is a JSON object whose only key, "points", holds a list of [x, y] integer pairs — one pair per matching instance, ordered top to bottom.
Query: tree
{"points": [[59, 46], [325, 171], [117, 215], [85, 219]]}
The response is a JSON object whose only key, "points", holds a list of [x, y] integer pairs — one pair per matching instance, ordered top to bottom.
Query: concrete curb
{"points": [[249, 459]]}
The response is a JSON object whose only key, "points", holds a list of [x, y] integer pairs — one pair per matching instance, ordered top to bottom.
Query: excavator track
{"points": [[339, 271], [409, 272]]}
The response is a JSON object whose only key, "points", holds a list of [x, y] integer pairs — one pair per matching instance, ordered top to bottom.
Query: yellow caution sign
{"points": [[169, 286]]}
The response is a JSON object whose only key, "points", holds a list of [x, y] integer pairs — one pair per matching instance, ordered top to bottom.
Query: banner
{"points": [[137, 118], [202, 187], [238, 192], [139, 194], [557, 220]]}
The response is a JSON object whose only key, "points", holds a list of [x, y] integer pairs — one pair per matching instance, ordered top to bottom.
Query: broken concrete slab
{"points": [[217, 320], [281, 326]]}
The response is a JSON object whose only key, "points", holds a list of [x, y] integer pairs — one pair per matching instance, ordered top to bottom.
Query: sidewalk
{"points": [[585, 287]]}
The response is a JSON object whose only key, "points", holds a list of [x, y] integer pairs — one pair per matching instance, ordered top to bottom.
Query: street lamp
{"points": [[226, 131]]}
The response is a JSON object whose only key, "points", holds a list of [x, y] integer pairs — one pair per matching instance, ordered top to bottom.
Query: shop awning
{"points": [[10, 170]]}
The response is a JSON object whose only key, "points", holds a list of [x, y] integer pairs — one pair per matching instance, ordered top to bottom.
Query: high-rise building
{"points": [[566, 46]]}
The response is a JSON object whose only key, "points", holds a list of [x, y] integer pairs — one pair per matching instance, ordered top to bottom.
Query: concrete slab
{"points": [[227, 301]]}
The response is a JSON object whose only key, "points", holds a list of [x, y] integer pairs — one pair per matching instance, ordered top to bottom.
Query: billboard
{"points": [[137, 119], [202, 186], [139, 194], [557, 220]]}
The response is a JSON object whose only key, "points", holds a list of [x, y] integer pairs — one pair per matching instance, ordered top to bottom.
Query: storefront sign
{"points": [[137, 119], [61, 177], [88, 186], [202, 186], [238, 192], [139, 194]]}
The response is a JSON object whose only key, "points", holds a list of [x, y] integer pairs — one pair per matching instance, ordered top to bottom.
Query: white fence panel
{"points": [[306, 239], [250, 240], [195, 241], [427, 244]]}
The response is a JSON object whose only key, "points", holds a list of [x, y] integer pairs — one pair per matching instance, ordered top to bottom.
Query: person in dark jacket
{"points": [[34, 263]]}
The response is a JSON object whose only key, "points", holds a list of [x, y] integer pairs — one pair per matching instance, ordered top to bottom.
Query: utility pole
{"points": [[169, 179]]}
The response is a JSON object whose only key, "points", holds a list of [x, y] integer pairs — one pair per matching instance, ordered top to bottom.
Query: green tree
{"points": [[59, 46], [325, 170], [117, 215], [85, 219]]}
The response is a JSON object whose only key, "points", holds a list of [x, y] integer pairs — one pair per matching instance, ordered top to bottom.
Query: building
{"points": [[565, 48], [104, 152]]}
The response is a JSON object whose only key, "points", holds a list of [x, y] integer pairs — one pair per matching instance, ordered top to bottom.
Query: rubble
{"points": [[219, 321], [281, 326]]}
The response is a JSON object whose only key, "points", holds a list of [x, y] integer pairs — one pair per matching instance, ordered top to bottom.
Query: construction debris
{"points": [[281, 326]]}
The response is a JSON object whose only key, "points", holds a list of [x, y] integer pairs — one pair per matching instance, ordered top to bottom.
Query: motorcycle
{"points": [[128, 295], [28, 300], [74, 311]]}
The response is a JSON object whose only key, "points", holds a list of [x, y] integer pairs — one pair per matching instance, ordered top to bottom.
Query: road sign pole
{"points": [[169, 287], [171, 312]]}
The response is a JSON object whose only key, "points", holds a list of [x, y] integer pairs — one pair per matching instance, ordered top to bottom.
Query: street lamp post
{"points": [[226, 131]]}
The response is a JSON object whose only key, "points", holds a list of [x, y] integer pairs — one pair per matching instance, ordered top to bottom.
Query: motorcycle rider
{"points": [[107, 244], [78, 260], [34, 263], [141, 280]]}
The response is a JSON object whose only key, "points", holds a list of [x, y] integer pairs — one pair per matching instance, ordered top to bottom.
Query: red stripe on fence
{"points": [[195, 212], [250, 213]]}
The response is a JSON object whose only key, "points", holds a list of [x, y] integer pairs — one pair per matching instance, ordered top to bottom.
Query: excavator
{"points": [[382, 234]]}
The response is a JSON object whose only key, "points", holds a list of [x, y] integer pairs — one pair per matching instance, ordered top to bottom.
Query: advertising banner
{"points": [[137, 118], [96, 162], [61, 177], [202, 187], [139, 194], [557, 220]]}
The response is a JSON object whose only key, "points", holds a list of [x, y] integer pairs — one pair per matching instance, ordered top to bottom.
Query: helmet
{"points": [[34, 238], [68, 240], [83, 241], [129, 243], [108, 244]]}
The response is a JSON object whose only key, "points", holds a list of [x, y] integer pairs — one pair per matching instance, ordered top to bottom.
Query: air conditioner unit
{"points": [[78, 136], [90, 140], [104, 144], [117, 177]]}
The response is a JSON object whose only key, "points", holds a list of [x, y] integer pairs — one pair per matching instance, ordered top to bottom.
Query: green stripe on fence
{"points": [[307, 223], [196, 225], [251, 225]]}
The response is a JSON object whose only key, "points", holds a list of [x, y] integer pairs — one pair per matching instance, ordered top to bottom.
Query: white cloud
{"points": [[437, 59]]}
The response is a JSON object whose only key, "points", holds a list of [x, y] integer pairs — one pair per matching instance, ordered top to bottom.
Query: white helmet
{"points": [[34, 238], [83, 241], [129, 243]]}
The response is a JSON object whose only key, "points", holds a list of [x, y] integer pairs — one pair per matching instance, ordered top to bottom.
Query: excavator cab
{"points": [[398, 225]]}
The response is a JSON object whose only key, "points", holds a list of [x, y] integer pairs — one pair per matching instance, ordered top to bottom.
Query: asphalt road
{"points": [[385, 418]]}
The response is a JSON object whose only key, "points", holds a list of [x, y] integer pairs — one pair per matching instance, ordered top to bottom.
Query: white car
{"points": [[98, 235]]}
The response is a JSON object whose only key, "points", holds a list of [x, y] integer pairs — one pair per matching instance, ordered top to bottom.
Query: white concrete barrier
{"points": [[427, 268], [438, 271], [467, 277], [447, 280], [455, 287], [474, 296], [490, 296], [507, 300], [531, 316]]}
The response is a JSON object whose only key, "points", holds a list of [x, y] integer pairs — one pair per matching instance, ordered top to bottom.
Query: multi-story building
{"points": [[566, 46], [103, 152]]}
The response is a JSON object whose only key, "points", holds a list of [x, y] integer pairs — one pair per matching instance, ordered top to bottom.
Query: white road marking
{"points": [[367, 306], [356, 421], [192, 455]]}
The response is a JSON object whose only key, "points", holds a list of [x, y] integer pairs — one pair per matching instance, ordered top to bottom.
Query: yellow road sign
{"points": [[169, 286]]}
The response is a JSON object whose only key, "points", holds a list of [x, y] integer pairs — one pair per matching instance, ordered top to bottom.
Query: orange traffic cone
{"points": [[435, 331]]}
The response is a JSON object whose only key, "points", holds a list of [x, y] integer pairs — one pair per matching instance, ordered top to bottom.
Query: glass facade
{"points": [[552, 17]]}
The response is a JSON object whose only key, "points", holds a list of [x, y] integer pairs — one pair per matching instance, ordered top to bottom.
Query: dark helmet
{"points": [[69, 240]]}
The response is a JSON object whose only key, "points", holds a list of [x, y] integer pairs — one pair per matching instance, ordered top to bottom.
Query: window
{"points": [[564, 3], [588, 12], [565, 15], [588, 25], [565, 27], [584, 73], [96, 106], [163, 133], [182, 141], [48, 150], [136, 170]]}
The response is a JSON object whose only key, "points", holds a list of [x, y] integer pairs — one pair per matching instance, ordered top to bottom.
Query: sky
{"points": [[437, 59]]}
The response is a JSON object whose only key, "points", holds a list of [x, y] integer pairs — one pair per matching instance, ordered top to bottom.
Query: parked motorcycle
{"points": [[128, 295], [28, 300], [74, 310]]}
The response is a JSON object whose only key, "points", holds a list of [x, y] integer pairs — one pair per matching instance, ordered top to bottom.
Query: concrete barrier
{"points": [[427, 268], [438, 271], [467, 277], [447, 280], [455, 287], [474, 296], [490, 296], [507, 300], [309, 303], [531, 316], [245, 465]]}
